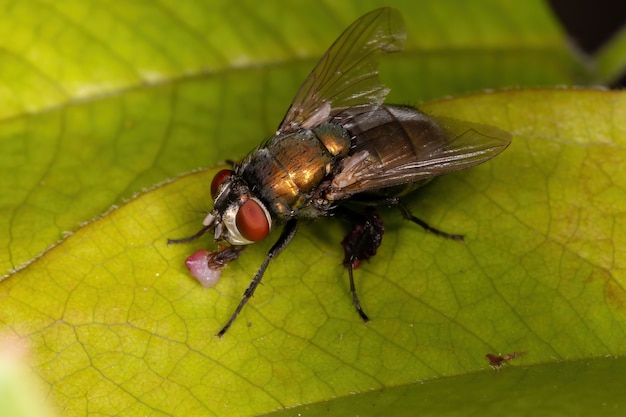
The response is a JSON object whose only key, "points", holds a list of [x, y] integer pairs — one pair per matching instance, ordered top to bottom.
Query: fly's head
{"points": [[238, 216]]}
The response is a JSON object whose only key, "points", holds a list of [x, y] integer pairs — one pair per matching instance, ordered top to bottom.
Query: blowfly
{"points": [[338, 144]]}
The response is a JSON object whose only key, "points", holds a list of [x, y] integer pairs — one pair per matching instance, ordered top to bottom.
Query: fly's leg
{"points": [[406, 213], [409, 216], [287, 234], [192, 237], [360, 244], [225, 256]]}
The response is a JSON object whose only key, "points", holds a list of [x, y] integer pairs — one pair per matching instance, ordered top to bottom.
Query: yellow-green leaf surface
{"points": [[101, 99], [116, 325]]}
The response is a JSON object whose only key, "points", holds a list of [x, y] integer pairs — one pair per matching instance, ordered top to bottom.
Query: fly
{"points": [[338, 144]]}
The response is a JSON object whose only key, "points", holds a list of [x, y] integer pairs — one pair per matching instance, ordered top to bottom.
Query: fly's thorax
{"points": [[335, 139], [290, 167]]}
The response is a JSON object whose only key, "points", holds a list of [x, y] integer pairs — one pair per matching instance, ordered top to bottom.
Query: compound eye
{"points": [[219, 179], [252, 221]]}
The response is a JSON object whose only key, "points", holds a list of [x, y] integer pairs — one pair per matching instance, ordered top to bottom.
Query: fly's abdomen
{"points": [[392, 133], [386, 138], [291, 166]]}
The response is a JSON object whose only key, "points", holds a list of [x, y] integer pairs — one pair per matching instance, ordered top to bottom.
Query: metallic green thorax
{"points": [[288, 168]]}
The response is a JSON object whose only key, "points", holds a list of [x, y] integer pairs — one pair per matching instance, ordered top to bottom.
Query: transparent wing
{"points": [[347, 74], [396, 145]]}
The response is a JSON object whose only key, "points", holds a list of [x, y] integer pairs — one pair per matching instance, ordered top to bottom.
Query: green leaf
{"points": [[611, 59], [100, 100], [115, 323], [548, 389]]}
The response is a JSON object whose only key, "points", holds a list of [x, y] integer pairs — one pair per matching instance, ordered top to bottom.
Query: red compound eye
{"points": [[218, 179], [252, 221]]}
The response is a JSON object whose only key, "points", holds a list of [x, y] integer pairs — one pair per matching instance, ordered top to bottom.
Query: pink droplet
{"points": [[198, 265]]}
